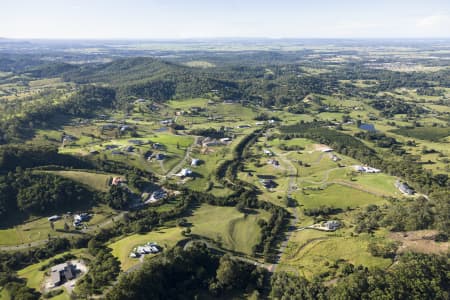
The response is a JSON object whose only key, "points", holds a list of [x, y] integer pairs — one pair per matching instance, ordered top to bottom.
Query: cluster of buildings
{"points": [[211, 142], [365, 169], [157, 196], [78, 219], [332, 225], [149, 248]]}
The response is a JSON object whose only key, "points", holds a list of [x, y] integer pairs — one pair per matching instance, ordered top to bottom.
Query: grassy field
{"points": [[185, 104], [424, 133], [96, 181], [380, 182], [337, 196], [227, 226], [39, 229], [29, 232], [122, 248], [312, 253], [4, 295]]}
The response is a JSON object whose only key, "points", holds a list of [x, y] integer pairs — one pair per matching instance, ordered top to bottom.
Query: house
{"points": [[229, 101], [195, 109], [166, 122], [108, 127], [367, 127], [126, 128], [68, 138], [225, 140], [136, 142], [209, 142], [157, 146], [109, 147], [129, 148], [326, 150], [267, 152], [160, 156], [335, 158], [195, 162], [273, 162], [365, 169], [185, 173], [118, 181], [268, 183], [404, 188], [156, 196], [54, 218], [78, 218], [332, 225], [145, 249], [62, 273]]}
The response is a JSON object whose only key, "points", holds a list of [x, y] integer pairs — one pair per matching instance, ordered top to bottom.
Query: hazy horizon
{"points": [[203, 19]]}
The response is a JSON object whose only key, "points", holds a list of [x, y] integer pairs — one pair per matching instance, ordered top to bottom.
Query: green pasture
{"points": [[228, 227]]}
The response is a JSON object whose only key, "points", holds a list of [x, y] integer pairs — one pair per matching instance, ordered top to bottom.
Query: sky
{"points": [[181, 19]]}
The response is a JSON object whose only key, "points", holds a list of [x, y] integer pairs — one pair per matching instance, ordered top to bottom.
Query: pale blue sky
{"points": [[156, 19]]}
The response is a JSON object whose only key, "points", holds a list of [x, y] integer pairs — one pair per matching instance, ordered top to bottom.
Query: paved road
{"points": [[187, 155], [291, 187]]}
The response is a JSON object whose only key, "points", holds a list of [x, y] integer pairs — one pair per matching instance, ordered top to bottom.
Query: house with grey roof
{"points": [[62, 273]]}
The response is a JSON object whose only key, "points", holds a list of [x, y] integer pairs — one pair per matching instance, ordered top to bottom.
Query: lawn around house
{"points": [[166, 238], [35, 277]]}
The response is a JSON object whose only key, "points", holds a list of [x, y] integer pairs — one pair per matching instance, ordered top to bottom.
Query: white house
{"points": [[185, 172]]}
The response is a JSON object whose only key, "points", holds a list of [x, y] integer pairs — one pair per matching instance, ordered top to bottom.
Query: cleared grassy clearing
{"points": [[200, 64], [188, 103], [424, 133], [300, 142], [96, 181], [337, 196], [228, 227], [40, 229], [29, 232], [122, 248], [315, 256], [4, 295]]}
